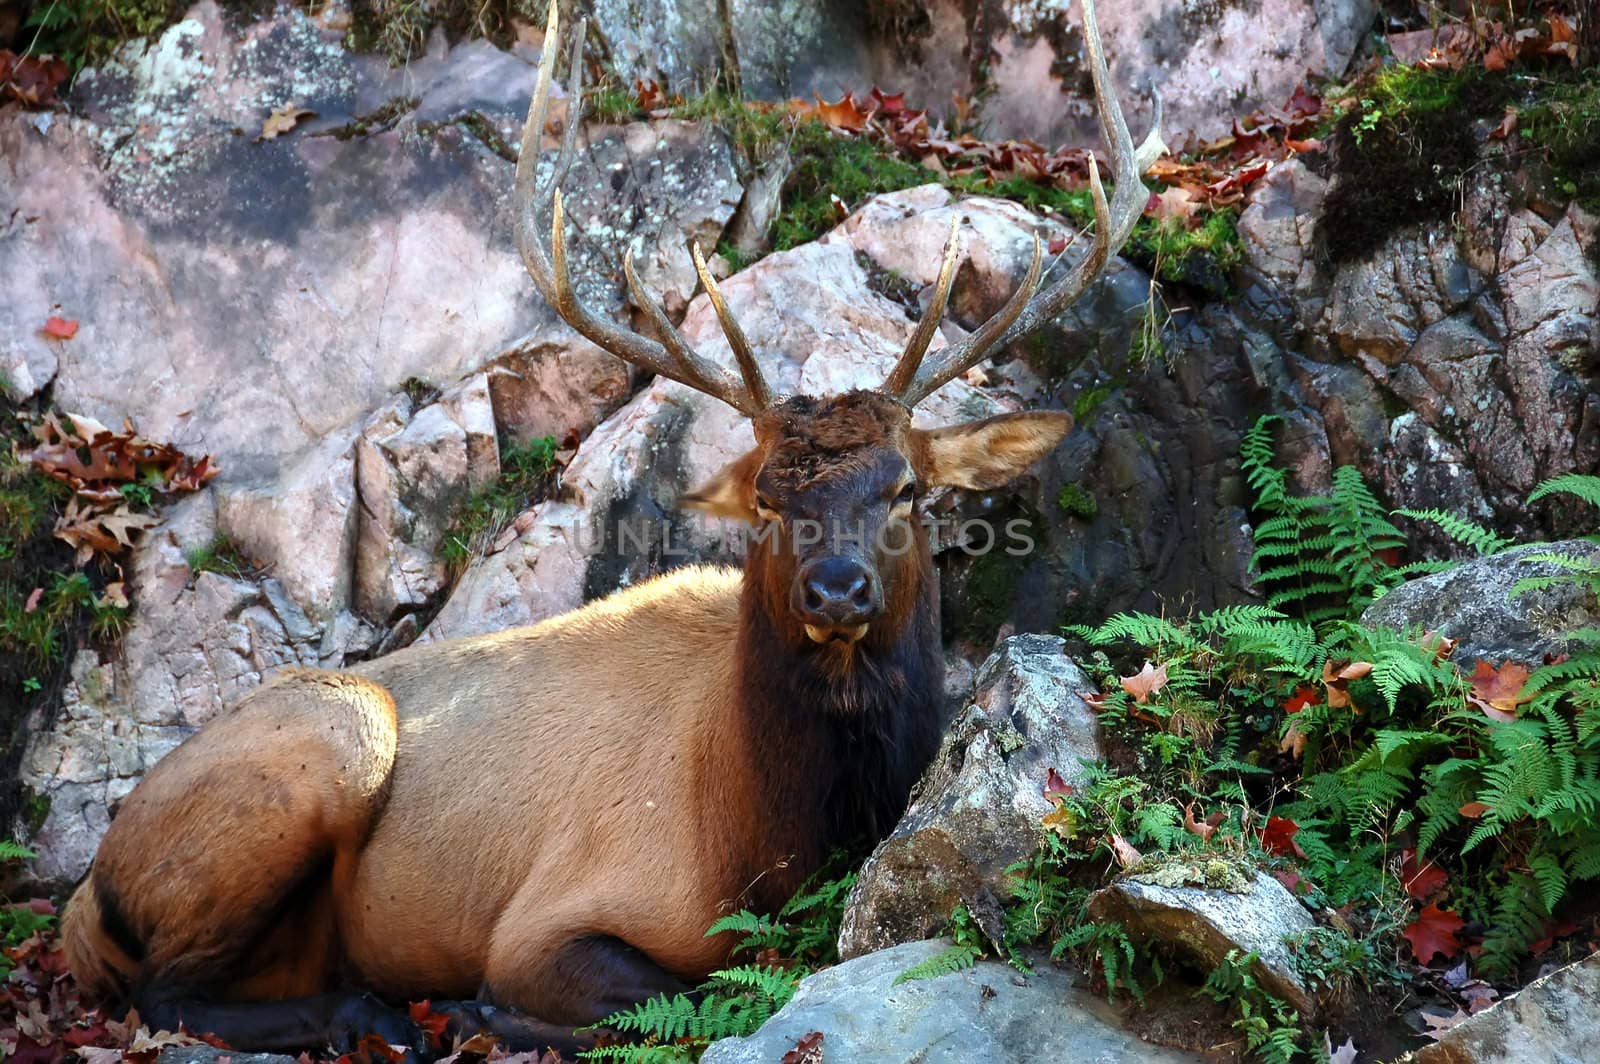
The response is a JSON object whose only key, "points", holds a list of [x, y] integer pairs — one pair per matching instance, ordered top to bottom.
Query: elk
{"points": [[539, 824]]}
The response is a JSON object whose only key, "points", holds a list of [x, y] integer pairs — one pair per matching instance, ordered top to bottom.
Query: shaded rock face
{"points": [[1210, 59], [248, 298], [1454, 373], [1473, 603], [977, 809], [1202, 913], [989, 1012], [1551, 1019]]}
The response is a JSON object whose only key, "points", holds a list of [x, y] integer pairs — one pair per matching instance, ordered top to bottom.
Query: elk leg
{"points": [[580, 982], [339, 1020], [516, 1032]]}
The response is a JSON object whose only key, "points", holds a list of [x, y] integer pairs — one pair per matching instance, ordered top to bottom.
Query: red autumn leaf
{"points": [[1501, 53], [648, 94], [889, 103], [844, 113], [1507, 126], [1058, 244], [60, 328], [33, 600], [1144, 683], [1498, 692], [1304, 695], [1056, 787], [1473, 810], [1278, 837], [1423, 880], [1293, 882], [1433, 934], [433, 1024], [807, 1050]]}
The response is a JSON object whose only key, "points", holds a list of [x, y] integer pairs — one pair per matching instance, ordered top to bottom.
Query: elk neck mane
{"points": [[853, 727]]}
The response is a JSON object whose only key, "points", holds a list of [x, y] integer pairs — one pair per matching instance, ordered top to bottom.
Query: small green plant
{"points": [[85, 32], [525, 470], [1076, 500], [219, 555], [966, 946], [736, 1001], [1270, 1027]]}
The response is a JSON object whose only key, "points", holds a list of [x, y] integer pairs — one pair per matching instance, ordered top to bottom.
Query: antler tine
{"points": [[1114, 223], [549, 271], [905, 370], [754, 382]]}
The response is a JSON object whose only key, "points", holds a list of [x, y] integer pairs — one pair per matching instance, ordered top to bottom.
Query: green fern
{"points": [[1579, 486], [1461, 530], [15, 851], [952, 958]]}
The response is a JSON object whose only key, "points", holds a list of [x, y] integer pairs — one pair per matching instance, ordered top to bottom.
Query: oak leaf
{"points": [[283, 120], [1336, 677], [1144, 683], [1498, 692], [1278, 837], [1126, 853], [1421, 880], [1433, 934], [807, 1050]]}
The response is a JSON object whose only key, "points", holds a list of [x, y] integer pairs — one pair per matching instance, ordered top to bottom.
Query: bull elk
{"points": [[542, 822]]}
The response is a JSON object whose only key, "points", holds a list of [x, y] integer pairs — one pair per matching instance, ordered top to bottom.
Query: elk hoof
{"points": [[362, 1016]]}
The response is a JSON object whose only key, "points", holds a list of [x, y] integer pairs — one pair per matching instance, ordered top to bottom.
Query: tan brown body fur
{"points": [[567, 785]]}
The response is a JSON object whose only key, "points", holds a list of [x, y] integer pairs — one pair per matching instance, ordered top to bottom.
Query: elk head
{"points": [[832, 481]]}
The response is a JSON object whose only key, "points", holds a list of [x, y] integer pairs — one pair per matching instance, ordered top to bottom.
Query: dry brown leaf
{"points": [[283, 120], [1336, 677], [1144, 683], [1498, 692], [1126, 853]]}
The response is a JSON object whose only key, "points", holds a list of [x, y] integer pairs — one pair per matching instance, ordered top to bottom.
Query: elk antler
{"points": [[672, 356], [911, 381]]}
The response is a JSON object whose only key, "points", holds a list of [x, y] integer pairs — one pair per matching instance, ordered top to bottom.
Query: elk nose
{"points": [[838, 591]]}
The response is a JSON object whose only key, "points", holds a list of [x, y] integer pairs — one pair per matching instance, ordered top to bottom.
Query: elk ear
{"points": [[988, 453], [731, 492]]}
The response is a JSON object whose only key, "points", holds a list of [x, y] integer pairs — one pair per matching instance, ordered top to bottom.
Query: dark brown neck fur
{"points": [[839, 734]]}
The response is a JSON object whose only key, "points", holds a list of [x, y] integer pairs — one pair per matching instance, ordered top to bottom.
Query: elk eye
{"points": [[907, 495], [765, 508]]}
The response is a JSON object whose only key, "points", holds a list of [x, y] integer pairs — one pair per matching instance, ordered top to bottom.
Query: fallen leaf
{"points": [[843, 114], [283, 120], [1507, 125], [60, 328], [115, 596], [33, 600], [1441, 645], [1336, 677], [1144, 683], [1498, 692], [1304, 695], [1293, 742], [1056, 787], [1473, 810], [1061, 820], [1203, 828], [1278, 837], [1126, 853], [1421, 881], [1293, 882], [1433, 934], [1479, 995], [1438, 1022], [433, 1024], [807, 1050], [1345, 1054]]}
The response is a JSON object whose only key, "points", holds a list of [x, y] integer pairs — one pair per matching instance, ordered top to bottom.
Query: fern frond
{"points": [[1578, 485], [1465, 532], [15, 851], [952, 958]]}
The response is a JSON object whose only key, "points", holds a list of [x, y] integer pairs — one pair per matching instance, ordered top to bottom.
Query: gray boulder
{"points": [[1473, 603], [978, 808], [1204, 910], [990, 1013], [1551, 1020]]}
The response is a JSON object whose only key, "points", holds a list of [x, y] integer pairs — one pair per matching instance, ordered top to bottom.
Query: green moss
{"points": [[1564, 122], [831, 171], [1202, 256], [1084, 407], [524, 479], [1075, 499], [991, 588]]}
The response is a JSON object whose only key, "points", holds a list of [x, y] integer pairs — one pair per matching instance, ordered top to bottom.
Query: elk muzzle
{"points": [[836, 597]]}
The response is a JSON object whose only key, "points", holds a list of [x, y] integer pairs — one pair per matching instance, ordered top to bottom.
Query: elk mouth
{"points": [[818, 634]]}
